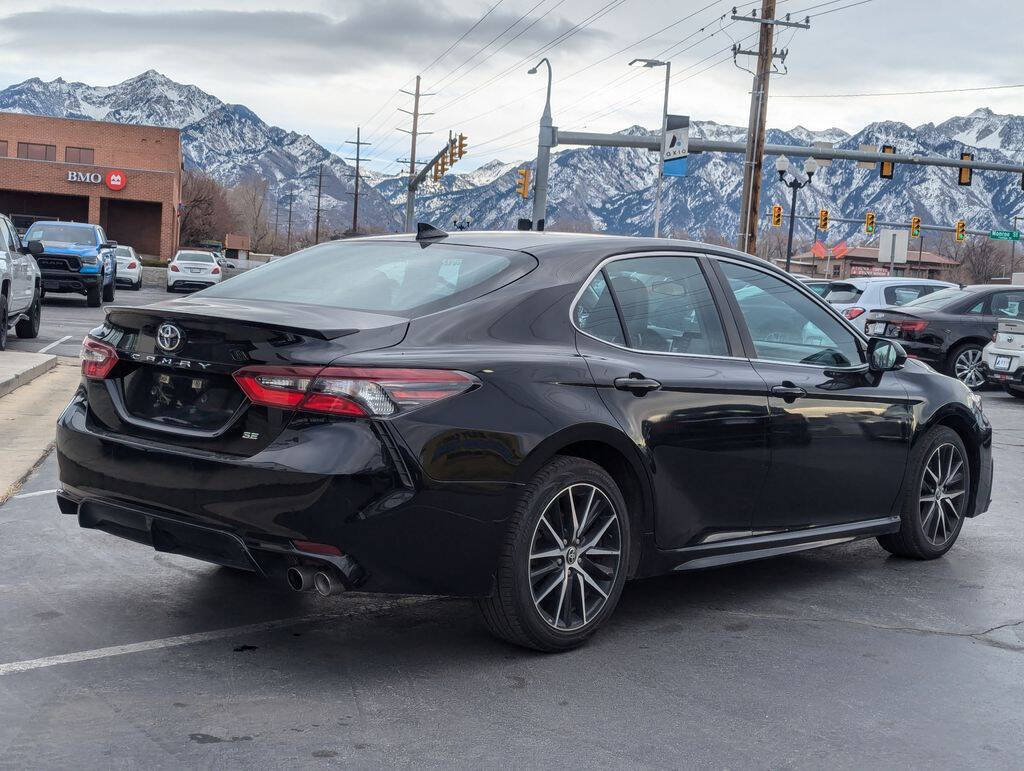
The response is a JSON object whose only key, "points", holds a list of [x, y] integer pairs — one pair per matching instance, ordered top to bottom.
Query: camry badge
{"points": [[169, 337]]}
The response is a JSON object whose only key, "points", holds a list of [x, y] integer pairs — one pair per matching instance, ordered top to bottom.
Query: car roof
{"points": [[65, 222], [880, 280], [986, 287]]}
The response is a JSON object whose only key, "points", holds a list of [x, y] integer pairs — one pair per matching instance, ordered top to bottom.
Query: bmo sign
{"points": [[115, 179]]}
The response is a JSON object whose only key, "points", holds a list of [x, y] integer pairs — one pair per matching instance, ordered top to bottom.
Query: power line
{"points": [[462, 37], [898, 93]]}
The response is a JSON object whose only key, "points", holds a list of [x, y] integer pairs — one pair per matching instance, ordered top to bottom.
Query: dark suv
{"points": [[76, 257], [949, 329]]}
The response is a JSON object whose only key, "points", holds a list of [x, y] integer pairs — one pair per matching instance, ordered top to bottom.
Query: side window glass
{"points": [[10, 237], [901, 295], [1008, 305], [667, 306], [978, 307], [595, 313], [786, 325]]}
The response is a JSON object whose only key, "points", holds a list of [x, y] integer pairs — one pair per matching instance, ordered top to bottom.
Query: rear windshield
{"points": [[67, 234], [123, 251], [194, 257], [396, 277], [819, 288], [843, 293], [939, 299]]}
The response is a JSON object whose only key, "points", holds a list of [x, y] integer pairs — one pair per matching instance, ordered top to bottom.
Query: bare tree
{"points": [[252, 212], [205, 213], [981, 260]]}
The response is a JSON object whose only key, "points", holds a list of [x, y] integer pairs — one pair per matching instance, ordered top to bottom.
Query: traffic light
{"points": [[462, 145], [451, 152], [442, 164], [885, 167], [437, 172], [966, 172], [523, 185], [776, 216], [823, 219], [869, 222], [915, 227], [961, 230]]}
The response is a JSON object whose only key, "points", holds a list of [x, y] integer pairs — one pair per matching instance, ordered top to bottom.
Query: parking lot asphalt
{"points": [[114, 656]]}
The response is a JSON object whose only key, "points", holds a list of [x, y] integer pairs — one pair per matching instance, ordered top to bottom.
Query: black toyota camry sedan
{"points": [[527, 419]]}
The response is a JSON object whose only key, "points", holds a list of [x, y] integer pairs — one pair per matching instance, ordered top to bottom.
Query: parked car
{"points": [[75, 257], [129, 267], [193, 269], [20, 286], [819, 286], [854, 297], [950, 328], [1003, 358], [528, 419]]}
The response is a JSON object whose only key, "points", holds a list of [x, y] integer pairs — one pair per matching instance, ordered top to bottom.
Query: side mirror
{"points": [[35, 248], [231, 265], [885, 355]]}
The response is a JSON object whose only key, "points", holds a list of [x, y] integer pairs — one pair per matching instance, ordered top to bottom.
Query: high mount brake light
{"points": [[854, 312], [98, 359], [359, 391]]}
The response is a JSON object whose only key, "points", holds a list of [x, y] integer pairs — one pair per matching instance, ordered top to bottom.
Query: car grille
{"points": [[59, 263]]}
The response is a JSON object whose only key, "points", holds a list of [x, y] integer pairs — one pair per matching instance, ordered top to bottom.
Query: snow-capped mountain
{"points": [[228, 141], [611, 189]]}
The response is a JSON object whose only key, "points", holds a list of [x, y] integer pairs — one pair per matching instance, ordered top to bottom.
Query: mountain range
{"points": [[599, 188]]}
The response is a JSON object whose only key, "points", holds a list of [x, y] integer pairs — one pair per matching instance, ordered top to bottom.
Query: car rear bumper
{"points": [[62, 281], [190, 283], [1012, 374], [344, 484]]}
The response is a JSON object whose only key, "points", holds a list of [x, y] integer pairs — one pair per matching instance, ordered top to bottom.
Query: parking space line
{"points": [[54, 344], [37, 492], [152, 645]]}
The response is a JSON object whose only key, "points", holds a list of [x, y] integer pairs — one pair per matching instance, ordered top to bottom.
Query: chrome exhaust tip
{"points": [[300, 578], [327, 584]]}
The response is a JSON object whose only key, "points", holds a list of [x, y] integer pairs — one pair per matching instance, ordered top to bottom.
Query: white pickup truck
{"points": [[20, 286]]}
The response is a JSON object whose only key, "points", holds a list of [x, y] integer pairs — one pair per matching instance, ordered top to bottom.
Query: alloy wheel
{"points": [[968, 368], [943, 494], [575, 556]]}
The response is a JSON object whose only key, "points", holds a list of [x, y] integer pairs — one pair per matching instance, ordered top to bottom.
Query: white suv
{"points": [[193, 269], [20, 286], [855, 297]]}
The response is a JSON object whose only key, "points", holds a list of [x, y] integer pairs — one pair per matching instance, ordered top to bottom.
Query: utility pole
{"points": [[754, 156], [355, 190], [319, 191], [410, 197], [288, 241], [1013, 245]]}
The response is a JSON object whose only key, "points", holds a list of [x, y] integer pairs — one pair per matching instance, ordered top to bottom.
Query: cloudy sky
{"points": [[325, 66]]}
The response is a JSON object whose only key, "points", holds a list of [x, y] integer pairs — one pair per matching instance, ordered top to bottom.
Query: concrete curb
{"points": [[17, 368]]}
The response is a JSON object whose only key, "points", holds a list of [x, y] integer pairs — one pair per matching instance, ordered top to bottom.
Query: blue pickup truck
{"points": [[75, 257]]}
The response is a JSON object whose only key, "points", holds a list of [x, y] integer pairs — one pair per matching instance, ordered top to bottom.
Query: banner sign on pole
{"points": [[675, 145], [819, 250], [840, 250]]}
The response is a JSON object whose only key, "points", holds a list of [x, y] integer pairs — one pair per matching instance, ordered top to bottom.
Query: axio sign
{"points": [[115, 179]]}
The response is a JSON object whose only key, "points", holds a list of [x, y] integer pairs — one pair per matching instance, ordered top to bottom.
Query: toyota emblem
{"points": [[169, 337]]}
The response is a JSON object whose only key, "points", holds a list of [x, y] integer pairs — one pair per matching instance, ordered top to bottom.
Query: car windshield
{"points": [[67, 234], [193, 257], [396, 277], [843, 293], [939, 299]]}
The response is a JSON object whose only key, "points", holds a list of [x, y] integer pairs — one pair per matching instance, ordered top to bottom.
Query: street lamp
{"points": [[651, 63], [545, 140], [783, 166], [462, 223]]}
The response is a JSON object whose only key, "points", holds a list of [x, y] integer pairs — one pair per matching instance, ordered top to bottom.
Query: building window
{"points": [[3, 148], [34, 152], [78, 155]]}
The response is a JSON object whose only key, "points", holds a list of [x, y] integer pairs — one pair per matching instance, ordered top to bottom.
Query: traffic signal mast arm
{"points": [[429, 165], [897, 225]]}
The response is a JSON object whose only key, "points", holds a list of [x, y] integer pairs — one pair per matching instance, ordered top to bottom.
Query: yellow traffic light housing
{"points": [[462, 145], [451, 152], [442, 164], [885, 167], [437, 172], [965, 172], [523, 185], [776, 216], [823, 219], [869, 222], [915, 227], [961, 230]]}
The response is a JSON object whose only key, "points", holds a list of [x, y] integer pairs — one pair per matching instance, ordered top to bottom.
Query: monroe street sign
{"points": [[1005, 235]]}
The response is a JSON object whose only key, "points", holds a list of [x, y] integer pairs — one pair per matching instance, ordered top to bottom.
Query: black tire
{"points": [[137, 285], [170, 288], [109, 289], [92, 297], [3, 322], [28, 328], [973, 378], [1014, 391], [917, 516], [512, 613]]}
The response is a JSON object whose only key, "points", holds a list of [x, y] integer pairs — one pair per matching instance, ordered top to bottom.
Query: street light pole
{"points": [[664, 124], [545, 141], [782, 166]]}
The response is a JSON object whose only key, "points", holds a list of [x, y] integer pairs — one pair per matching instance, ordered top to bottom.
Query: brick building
{"points": [[125, 178], [863, 261]]}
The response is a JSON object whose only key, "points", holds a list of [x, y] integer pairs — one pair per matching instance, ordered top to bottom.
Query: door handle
{"points": [[637, 384], [788, 392]]}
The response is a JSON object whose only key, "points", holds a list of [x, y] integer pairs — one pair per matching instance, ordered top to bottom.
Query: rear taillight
{"points": [[133, 265], [175, 269], [215, 270], [852, 313], [912, 326], [98, 359], [366, 391]]}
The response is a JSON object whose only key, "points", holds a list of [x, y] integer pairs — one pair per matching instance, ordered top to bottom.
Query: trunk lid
{"points": [[1010, 336], [173, 383]]}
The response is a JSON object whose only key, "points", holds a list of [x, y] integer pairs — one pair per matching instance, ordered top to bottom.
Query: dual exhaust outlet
{"points": [[303, 578]]}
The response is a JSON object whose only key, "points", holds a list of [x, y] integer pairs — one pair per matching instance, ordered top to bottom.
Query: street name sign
{"points": [[1004, 235]]}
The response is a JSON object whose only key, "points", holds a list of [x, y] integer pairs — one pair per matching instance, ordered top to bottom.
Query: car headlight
{"points": [[90, 260]]}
